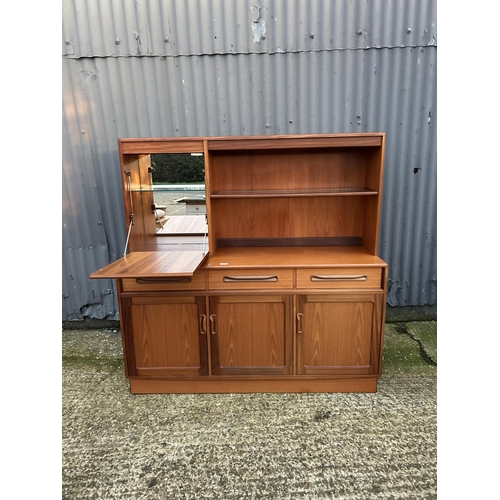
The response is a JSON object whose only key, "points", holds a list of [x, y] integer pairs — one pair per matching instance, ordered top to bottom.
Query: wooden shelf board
{"points": [[290, 193]]}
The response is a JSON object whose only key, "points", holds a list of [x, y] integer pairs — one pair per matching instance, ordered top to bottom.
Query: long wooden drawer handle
{"points": [[339, 277], [236, 279], [149, 281]]}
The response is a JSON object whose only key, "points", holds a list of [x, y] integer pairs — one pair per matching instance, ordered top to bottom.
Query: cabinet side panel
{"points": [[128, 163], [131, 178], [374, 181], [147, 201], [371, 217], [212, 241], [127, 333], [378, 333]]}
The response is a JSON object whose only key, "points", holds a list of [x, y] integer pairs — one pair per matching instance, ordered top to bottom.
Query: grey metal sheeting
{"points": [[189, 68]]}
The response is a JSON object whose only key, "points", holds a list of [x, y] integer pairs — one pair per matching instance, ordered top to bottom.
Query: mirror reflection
{"points": [[179, 193]]}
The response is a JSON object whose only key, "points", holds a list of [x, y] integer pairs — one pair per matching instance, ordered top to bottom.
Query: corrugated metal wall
{"points": [[214, 67]]}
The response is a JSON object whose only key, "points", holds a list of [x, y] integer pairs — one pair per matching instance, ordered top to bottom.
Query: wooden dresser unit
{"points": [[285, 292]]}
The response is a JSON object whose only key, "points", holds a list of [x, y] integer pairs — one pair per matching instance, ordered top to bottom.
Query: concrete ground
{"points": [[116, 445]]}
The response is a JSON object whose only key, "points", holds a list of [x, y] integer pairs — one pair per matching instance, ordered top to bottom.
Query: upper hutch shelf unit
{"points": [[285, 291]]}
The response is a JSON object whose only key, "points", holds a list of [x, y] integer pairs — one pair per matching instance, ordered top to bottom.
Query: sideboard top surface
{"points": [[294, 257]]}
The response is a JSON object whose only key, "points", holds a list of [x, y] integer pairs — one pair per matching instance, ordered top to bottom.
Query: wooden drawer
{"points": [[343, 277], [224, 279], [195, 282]]}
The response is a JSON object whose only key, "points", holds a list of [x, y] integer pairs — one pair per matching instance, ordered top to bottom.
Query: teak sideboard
{"points": [[284, 292]]}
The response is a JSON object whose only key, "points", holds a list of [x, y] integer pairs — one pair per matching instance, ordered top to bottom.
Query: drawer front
{"points": [[345, 277], [225, 279], [195, 282]]}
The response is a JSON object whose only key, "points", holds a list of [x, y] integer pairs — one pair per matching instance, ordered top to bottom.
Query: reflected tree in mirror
{"points": [[178, 168]]}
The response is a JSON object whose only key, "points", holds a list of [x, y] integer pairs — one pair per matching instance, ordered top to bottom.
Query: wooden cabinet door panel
{"points": [[338, 334], [251, 335], [169, 336]]}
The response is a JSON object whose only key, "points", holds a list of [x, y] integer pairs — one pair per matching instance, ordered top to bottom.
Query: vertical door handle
{"points": [[299, 323], [203, 324], [213, 324]]}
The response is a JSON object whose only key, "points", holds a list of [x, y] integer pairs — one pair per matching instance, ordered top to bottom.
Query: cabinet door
{"points": [[339, 334], [251, 335], [165, 336]]}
